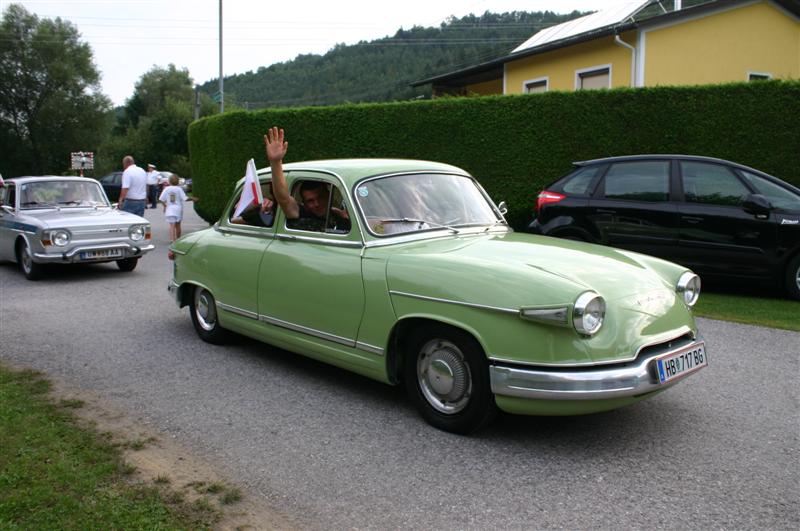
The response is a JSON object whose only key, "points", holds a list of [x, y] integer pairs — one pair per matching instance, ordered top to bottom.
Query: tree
{"points": [[50, 102], [153, 123]]}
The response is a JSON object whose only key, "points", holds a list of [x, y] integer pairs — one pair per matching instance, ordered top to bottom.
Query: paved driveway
{"points": [[720, 450]]}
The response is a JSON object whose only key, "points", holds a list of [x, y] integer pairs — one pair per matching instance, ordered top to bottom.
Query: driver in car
{"points": [[313, 212]]}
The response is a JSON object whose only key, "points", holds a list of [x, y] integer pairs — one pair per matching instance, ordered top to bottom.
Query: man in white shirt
{"points": [[152, 184], [133, 196]]}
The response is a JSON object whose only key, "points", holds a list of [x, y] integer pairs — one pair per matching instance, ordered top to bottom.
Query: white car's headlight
{"points": [[136, 232], [60, 237], [688, 287], [588, 313]]}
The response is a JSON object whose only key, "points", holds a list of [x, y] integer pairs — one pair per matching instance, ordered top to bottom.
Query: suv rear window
{"points": [[638, 181]]}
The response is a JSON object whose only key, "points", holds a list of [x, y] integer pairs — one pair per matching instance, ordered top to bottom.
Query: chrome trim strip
{"points": [[248, 230], [431, 235], [320, 241], [182, 253], [174, 290], [459, 303], [238, 311], [554, 315], [307, 330], [663, 338], [369, 348], [597, 384]]}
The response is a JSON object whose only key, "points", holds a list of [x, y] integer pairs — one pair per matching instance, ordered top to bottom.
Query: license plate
{"points": [[104, 253], [681, 363]]}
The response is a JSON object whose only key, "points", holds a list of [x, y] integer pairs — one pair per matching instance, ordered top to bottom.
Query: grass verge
{"points": [[771, 312], [56, 474]]}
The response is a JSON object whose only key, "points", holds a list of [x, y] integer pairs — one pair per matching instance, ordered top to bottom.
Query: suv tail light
{"points": [[547, 197]]}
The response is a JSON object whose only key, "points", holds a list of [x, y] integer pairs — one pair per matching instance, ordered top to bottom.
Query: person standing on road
{"points": [[152, 185], [133, 196], [173, 197]]}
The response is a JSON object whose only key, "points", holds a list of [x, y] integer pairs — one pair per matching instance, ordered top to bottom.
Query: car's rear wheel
{"points": [[127, 264], [29, 268], [793, 278], [204, 317], [447, 378]]}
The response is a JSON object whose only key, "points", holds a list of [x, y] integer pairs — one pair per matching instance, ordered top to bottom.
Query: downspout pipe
{"points": [[624, 44]]}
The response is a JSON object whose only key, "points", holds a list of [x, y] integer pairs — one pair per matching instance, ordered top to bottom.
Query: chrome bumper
{"points": [[128, 251], [174, 290], [635, 378]]}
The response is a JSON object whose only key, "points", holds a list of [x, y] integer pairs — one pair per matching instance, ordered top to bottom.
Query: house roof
{"points": [[605, 23]]}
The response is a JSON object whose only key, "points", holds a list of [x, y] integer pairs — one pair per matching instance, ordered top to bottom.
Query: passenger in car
{"points": [[312, 213]]}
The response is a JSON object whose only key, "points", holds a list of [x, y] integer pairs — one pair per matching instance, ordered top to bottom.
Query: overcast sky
{"points": [[128, 37]]}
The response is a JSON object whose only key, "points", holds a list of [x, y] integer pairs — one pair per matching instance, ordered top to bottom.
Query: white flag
{"points": [[251, 193]]}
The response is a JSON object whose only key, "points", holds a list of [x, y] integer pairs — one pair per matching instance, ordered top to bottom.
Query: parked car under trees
{"points": [[721, 219], [428, 287]]}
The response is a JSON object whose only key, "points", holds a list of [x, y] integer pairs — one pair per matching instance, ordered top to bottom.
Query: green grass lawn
{"points": [[772, 311], [55, 474]]}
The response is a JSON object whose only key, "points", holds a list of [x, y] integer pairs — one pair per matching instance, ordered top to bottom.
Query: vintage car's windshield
{"points": [[61, 194], [416, 202]]}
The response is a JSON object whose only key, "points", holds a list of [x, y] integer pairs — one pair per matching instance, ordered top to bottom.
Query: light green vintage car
{"points": [[420, 281]]}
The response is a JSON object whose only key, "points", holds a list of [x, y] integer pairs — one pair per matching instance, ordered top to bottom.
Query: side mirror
{"points": [[757, 205], [503, 208], [7, 209]]}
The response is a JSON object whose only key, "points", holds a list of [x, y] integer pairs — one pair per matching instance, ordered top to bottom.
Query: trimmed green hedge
{"points": [[515, 145]]}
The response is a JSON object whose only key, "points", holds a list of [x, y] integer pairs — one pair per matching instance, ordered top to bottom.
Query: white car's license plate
{"points": [[104, 253], [677, 364]]}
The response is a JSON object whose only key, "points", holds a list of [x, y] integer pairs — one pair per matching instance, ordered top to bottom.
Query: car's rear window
{"points": [[638, 181], [580, 182]]}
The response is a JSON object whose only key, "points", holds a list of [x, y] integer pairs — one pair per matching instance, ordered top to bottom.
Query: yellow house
{"points": [[641, 44]]}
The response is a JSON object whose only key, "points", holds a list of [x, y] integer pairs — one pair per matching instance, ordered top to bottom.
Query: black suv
{"points": [[719, 218]]}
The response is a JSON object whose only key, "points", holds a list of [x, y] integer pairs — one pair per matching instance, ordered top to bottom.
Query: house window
{"points": [[758, 76], [594, 79], [533, 86]]}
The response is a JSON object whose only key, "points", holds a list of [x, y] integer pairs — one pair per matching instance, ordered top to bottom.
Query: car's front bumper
{"points": [[73, 254], [631, 379]]}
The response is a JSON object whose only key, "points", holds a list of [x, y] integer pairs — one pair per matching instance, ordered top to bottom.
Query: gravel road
{"points": [[335, 450]]}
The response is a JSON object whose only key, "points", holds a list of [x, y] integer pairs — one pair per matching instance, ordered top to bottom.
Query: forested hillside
{"points": [[381, 70]]}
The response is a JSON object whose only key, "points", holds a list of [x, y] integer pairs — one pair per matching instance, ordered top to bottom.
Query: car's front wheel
{"points": [[127, 264], [30, 269], [793, 278], [203, 308], [447, 377]]}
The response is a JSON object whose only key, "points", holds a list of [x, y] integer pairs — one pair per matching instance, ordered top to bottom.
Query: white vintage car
{"points": [[66, 220]]}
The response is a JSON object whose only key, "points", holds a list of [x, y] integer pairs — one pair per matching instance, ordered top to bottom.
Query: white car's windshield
{"points": [[62, 194], [411, 203]]}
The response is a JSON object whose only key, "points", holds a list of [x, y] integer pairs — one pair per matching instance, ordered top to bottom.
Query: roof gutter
{"points": [[624, 44]]}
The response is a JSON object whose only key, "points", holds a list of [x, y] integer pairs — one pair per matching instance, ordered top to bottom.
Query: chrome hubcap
{"points": [[26, 259], [797, 278], [205, 311], [443, 376]]}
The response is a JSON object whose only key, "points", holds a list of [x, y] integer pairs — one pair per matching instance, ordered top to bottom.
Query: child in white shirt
{"points": [[173, 197]]}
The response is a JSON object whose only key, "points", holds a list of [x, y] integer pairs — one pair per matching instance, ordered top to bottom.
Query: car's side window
{"points": [[638, 181], [579, 183], [711, 184], [779, 196], [322, 208], [255, 215]]}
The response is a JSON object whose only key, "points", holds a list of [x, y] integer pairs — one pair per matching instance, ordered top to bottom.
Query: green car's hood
{"points": [[513, 270]]}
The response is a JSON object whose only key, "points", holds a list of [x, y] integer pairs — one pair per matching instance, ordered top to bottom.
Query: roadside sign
{"points": [[217, 97], [82, 160]]}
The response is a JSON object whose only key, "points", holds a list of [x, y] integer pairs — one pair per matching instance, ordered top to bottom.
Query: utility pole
{"points": [[221, 91], [197, 102]]}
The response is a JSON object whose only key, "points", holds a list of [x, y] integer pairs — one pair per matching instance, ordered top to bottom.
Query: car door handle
{"points": [[691, 219], [286, 237]]}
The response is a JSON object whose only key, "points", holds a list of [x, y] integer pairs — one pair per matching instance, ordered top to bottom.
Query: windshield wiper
{"points": [[36, 203], [420, 221]]}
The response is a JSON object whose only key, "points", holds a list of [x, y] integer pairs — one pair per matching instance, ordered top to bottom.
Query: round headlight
{"points": [[136, 232], [60, 238], [689, 288], [588, 313]]}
